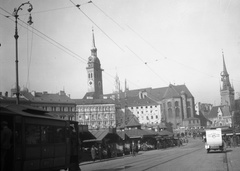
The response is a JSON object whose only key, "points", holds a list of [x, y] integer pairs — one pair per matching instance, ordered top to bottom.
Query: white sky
{"points": [[149, 43]]}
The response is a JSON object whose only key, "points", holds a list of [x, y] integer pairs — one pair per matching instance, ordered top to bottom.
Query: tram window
{"points": [[18, 133], [32, 134], [47, 134], [59, 134]]}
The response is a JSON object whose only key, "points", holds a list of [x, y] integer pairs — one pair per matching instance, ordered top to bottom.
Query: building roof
{"points": [[156, 94], [92, 95], [47, 97], [93, 101], [136, 101], [26, 110], [214, 112], [133, 122], [139, 133], [164, 133], [99, 134]]}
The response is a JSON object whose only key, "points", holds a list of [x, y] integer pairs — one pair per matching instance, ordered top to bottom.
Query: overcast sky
{"points": [[150, 43]]}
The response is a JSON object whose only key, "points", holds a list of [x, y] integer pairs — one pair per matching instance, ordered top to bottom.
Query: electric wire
{"points": [[78, 7], [106, 15], [29, 58], [147, 65]]}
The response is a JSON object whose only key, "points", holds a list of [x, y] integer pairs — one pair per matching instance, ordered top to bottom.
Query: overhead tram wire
{"points": [[78, 7], [106, 15], [48, 39], [53, 42], [60, 46], [29, 58], [167, 58], [145, 63], [113, 77]]}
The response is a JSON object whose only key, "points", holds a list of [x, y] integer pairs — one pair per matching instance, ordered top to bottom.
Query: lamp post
{"points": [[15, 14]]}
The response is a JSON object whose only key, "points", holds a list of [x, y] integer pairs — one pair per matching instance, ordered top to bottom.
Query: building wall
{"points": [[175, 110], [61, 111], [147, 114], [97, 116]]}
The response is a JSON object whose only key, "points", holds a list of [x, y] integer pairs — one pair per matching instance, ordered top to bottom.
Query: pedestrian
{"points": [[6, 135], [231, 140], [133, 149], [100, 151], [93, 152]]}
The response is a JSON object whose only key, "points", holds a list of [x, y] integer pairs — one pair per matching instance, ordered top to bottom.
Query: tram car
{"points": [[39, 142]]}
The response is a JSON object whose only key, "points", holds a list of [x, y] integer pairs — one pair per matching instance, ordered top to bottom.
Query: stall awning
{"points": [[139, 133], [100, 134]]}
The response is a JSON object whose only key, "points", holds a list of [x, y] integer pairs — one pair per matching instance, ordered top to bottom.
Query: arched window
{"points": [[169, 104], [177, 111], [170, 112], [188, 112]]}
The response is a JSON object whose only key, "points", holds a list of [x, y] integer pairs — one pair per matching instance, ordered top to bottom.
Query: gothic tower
{"points": [[94, 72], [227, 91]]}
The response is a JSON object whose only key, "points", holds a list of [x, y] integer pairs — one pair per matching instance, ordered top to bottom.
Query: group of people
{"points": [[231, 140], [101, 152]]}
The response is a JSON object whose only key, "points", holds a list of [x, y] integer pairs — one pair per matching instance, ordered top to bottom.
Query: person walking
{"points": [[6, 135], [133, 149], [93, 153]]}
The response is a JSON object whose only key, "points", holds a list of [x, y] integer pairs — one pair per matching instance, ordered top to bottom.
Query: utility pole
{"points": [[15, 14]]}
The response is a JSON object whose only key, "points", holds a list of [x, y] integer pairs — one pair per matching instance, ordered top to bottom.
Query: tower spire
{"points": [[94, 49], [224, 65]]}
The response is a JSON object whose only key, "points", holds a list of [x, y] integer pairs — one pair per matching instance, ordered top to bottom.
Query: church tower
{"points": [[94, 71], [227, 91]]}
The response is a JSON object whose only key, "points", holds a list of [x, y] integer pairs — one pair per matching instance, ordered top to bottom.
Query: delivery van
{"points": [[214, 140]]}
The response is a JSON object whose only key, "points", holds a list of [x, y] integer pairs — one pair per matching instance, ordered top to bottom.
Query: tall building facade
{"points": [[94, 72], [227, 90], [172, 104], [94, 110], [222, 115]]}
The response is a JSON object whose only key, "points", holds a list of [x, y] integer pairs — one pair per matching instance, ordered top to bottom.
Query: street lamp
{"points": [[15, 14]]}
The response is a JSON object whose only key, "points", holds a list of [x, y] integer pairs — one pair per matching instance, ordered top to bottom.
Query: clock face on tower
{"points": [[90, 82]]}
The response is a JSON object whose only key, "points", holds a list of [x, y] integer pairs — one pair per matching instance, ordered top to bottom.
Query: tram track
{"points": [[163, 158]]}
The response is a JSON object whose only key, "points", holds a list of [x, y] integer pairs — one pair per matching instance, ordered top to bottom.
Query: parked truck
{"points": [[214, 140]]}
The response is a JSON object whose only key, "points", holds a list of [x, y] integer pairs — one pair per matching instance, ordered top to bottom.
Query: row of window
{"points": [[176, 104], [141, 107], [58, 108], [96, 108], [94, 116], [151, 117], [194, 121], [99, 124], [41, 134]]}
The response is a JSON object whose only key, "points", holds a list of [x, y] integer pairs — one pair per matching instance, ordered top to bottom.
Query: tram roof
{"points": [[25, 110]]}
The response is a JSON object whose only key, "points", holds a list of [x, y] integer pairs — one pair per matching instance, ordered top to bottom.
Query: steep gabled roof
{"points": [[170, 92], [156, 94], [47, 97], [136, 101], [214, 111], [133, 122], [99, 134]]}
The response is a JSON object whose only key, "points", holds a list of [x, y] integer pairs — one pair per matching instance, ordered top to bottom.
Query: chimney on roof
{"points": [[61, 93], [6, 94]]}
